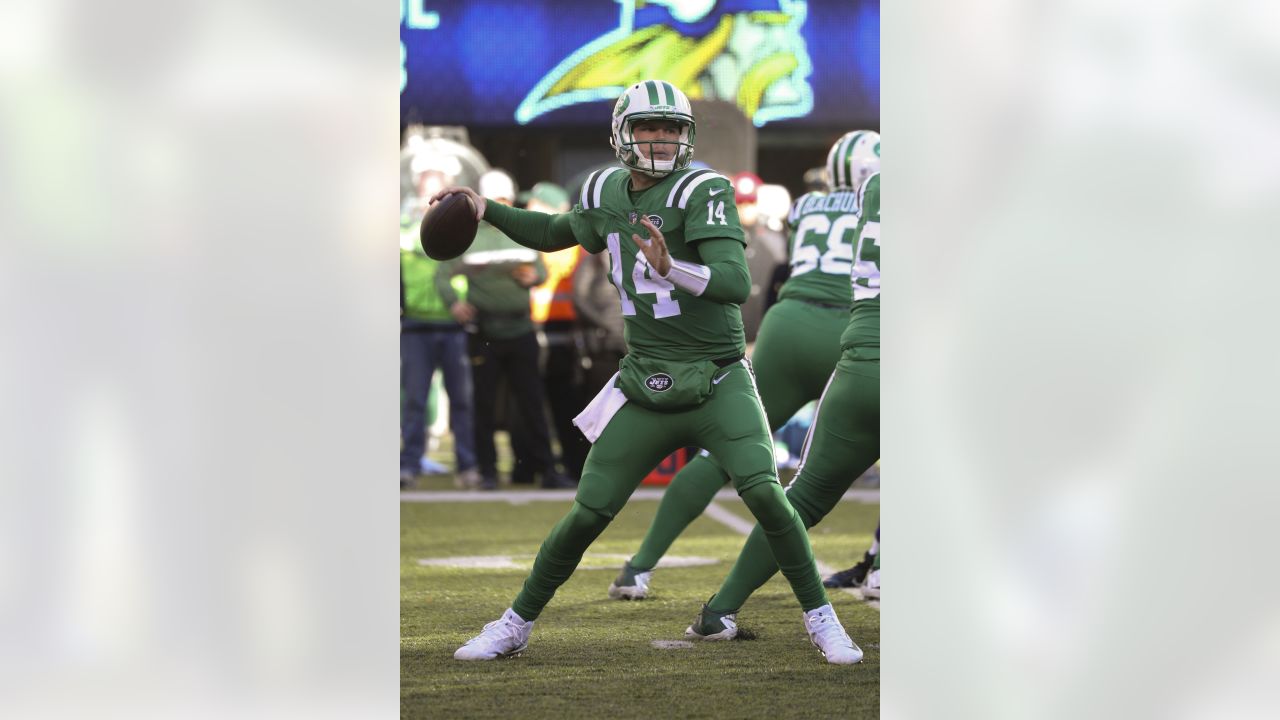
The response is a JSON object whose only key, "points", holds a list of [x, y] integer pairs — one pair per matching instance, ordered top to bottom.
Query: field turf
{"points": [[590, 656]]}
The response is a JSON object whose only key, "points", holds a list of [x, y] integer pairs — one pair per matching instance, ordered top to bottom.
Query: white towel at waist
{"points": [[596, 415]]}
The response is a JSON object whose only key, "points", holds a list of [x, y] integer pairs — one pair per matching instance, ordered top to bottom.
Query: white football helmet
{"points": [[652, 100], [854, 158]]}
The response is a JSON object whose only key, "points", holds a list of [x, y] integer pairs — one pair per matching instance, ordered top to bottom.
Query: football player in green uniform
{"points": [[811, 312], [684, 380], [845, 437]]}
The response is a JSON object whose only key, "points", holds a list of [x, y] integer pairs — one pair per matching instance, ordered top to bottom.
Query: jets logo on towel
{"points": [[659, 382]]}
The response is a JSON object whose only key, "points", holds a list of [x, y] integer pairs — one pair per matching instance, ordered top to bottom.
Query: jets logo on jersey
{"points": [[633, 216], [659, 382]]}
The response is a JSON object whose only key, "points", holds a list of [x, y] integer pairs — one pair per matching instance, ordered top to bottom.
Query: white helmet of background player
{"points": [[652, 100], [854, 158]]}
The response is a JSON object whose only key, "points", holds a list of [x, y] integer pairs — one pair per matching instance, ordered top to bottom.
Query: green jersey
{"points": [[822, 235], [864, 318], [660, 320]]}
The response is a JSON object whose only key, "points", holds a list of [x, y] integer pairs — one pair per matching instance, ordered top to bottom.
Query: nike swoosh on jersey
{"points": [[713, 193], [716, 381]]}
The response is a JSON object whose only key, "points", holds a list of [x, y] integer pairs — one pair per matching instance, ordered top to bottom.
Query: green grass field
{"points": [[590, 656]]}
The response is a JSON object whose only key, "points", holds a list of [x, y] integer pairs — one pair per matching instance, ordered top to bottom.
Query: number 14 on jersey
{"points": [[643, 279]]}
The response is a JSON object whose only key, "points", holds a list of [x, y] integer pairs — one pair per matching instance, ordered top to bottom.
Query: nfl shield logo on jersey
{"points": [[633, 216], [658, 382]]}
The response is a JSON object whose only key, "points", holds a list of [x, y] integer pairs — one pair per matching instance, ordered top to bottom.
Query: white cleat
{"points": [[630, 585], [870, 587], [711, 625], [826, 632], [508, 635]]}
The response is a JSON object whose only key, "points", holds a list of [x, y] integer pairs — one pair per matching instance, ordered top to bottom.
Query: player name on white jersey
{"points": [[835, 202]]}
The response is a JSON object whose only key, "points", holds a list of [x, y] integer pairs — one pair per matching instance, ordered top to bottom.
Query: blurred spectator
{"points": [[815, 180], [766, 248], [553, 309], [599, 320], [431, 338], [501, 338]]}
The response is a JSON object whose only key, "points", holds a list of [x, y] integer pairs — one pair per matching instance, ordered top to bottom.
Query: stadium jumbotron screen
{"points": [[555, 63]]}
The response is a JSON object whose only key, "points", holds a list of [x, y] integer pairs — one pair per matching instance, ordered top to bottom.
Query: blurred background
{"points": [[522, 93]]}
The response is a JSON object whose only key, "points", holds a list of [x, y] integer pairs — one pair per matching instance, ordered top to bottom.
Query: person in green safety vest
{"points": [[431, 338]]}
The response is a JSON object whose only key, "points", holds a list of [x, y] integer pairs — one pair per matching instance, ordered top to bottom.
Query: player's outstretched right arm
{"points": [[535, 230]]}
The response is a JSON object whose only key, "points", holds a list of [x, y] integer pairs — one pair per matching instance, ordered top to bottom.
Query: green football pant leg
{"points": [[796, 349], [787, 379], [843, 442], [630, 447], [746, 450], [688, 495], [785, 543], [558, 558]]}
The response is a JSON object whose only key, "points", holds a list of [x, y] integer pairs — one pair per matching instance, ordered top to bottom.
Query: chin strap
{"points": [[690, 277]]}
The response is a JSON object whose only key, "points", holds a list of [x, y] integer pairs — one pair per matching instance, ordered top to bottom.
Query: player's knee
{"points": [[597, 493], [769, 505], [585, 521]]}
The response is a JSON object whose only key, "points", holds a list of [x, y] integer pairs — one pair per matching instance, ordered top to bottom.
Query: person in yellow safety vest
{"points": [[553, 300], [552, 306]]}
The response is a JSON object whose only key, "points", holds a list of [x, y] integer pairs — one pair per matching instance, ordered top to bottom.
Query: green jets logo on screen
{"points": [[747, 52], [659, 382]]}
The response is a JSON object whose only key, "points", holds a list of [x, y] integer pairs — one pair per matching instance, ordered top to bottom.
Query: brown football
{"points": [[449, 228]]}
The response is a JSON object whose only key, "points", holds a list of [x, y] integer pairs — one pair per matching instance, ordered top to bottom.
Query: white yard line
{"points": [[520, 497], [726, 517]]}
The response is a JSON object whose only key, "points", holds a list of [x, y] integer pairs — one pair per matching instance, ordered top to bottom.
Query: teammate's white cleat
{"points": [[630, 585], [870, 587], [712, 625], [826, 632], [508, 635]]}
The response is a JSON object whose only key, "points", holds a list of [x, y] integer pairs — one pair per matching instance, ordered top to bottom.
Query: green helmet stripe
{"points": [[653, 92], [671, 93], [846, 159], [840, 160]]}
